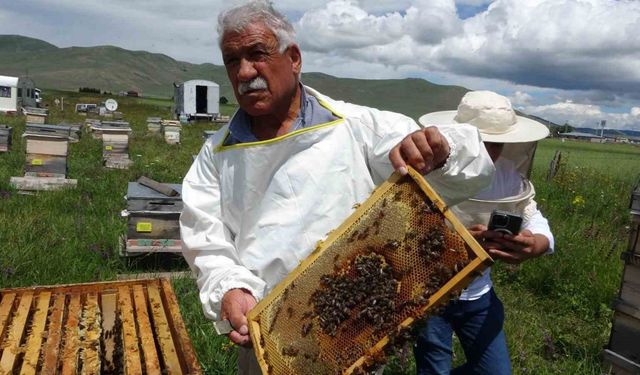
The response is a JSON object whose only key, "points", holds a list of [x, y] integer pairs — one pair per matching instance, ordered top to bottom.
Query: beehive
{"points": [[36, 115], [154, 124], [171, 130], [5, 138], [153, 220], [398, 257], [131, 327]]}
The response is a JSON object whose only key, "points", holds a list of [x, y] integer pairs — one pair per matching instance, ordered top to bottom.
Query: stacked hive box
{"points": [[36, 115], [154, 124], [171, 130], [5, 138], [115, 143], [46, 158], [152, 219], [122, 327], [623, 352]]}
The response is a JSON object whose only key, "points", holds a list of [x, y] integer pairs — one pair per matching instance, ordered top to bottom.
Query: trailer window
{"points": [[5, 92], [19, 92]]}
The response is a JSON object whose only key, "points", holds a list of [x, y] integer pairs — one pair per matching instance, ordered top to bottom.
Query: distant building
{"points": [[16, 92], [197, 98], [583, 136]]}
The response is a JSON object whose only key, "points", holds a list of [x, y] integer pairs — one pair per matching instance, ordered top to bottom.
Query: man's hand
{"points": [[424, 150], [508, 248], [236, 303]]}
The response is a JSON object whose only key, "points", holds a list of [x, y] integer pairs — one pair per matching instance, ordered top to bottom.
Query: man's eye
{"points": [[230, 61]]}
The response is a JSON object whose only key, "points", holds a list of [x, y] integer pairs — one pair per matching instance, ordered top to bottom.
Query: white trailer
{"points": [[16, 93], [197, 98]]}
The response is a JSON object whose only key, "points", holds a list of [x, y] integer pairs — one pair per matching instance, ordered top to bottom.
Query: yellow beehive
{"points": [[398, 257]]}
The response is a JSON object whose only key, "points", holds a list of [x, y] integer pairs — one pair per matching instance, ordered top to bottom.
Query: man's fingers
{"points": [[411, 155], [396, 160], [425, 162], [507, 257], [237, 338]]}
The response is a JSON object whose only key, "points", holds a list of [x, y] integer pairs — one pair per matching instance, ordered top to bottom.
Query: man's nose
{"points": [[247, 71]]}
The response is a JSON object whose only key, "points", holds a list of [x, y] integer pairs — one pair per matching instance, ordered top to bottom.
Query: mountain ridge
{"points": [[114, 69]]}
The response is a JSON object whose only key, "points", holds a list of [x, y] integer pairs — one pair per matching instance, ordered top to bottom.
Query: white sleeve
{"points": [[468, 169], [538, 224], [207, 242]]}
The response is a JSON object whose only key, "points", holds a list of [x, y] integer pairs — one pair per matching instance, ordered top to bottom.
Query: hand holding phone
{"points": [[502, 221]]}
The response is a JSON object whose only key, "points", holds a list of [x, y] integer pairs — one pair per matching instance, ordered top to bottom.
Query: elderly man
{"points": [[290, 165]]}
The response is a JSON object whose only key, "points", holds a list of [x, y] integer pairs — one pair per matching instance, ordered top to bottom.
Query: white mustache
{"points": [[257, 83]]}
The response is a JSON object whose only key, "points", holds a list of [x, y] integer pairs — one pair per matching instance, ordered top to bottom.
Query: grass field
{"points": [[557, 307]]}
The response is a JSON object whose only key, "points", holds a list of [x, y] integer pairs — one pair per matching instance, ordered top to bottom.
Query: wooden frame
{"points": [[480, 262], [89, 323]]}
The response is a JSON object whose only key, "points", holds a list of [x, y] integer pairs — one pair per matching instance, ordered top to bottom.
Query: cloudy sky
{"points": [[565, 60]]}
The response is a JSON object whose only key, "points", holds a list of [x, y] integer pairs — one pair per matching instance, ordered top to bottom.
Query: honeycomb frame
{"points": [[394, 222]]}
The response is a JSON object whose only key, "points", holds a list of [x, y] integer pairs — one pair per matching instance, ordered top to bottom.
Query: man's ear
{"points": [[296, 58]]}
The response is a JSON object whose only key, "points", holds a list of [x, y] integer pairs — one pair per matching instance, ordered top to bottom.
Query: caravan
{"points": [[16, 93], [197, 98]]}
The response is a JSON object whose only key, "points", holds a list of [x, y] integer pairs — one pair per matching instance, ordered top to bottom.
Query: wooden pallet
{"points": [[30, 183], [143, 245], [131, 327]]}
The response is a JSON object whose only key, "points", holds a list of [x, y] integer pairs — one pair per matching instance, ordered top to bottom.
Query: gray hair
{"points": [[257, 11]]}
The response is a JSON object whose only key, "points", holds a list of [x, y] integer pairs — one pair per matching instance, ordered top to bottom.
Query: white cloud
{"points": [[586, 50], [519, 99], [585, 115]]}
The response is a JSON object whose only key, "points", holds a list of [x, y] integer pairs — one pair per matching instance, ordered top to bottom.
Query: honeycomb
{"points": [[398, 258]]}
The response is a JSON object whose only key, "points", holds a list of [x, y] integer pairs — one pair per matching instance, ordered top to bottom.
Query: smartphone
{"points": [[505, 222]]}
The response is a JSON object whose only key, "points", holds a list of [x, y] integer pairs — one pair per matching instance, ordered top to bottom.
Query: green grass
{"points": [[557, 307]]}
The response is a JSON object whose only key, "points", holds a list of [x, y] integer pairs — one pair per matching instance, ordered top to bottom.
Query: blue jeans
{"points": [[478, 325]]}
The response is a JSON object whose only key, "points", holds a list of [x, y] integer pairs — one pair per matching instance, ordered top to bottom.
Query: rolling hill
{"points": [[116, 69]]}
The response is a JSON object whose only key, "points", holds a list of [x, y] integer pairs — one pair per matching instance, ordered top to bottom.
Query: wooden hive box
{"points": [[36, 115], [154, 124], [171, 130], [5, 138], [39, 143], [115, 146], [47, 149], [46, 161], [153, 220], [402, 254], [129, 327], [622, 355]]}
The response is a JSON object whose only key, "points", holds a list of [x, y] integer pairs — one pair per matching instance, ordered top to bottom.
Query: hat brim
{"points": [[525, 129]]}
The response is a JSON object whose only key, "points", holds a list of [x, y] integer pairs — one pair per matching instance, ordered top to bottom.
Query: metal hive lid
{"points": [[138, 191]]}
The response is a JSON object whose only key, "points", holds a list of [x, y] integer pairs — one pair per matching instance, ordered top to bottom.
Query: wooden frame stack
{"points": [[36, 115], [171, 130], [5, 138], [115, 144], [46, 159], [153, 219], [120, 327], [623, 351]]}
